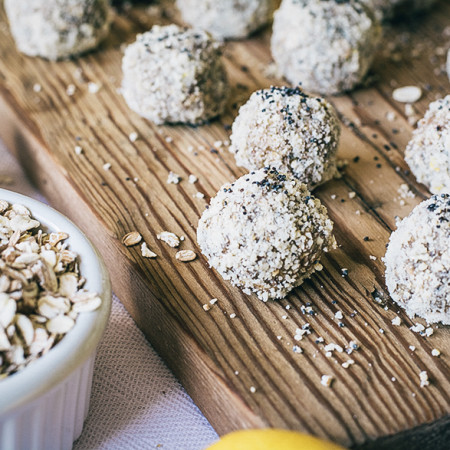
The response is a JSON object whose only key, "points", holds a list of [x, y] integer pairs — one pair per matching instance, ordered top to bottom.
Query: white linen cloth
{"points": [[136, 402]]}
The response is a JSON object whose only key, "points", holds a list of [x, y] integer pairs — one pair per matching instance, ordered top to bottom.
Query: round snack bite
{"points": [[227, 19], [57, 29], [325, 45], [173, 74], [286, 129], [428, 152], [265, 233], [418, 261]]}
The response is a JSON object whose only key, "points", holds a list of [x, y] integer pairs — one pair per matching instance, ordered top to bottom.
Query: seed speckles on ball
{"points": [[227, 19], [328, 46], [173, 74], [287, 129], [428, 152], [265, 233], [418, 262]]}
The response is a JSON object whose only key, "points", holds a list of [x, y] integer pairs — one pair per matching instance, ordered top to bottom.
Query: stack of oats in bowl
{"points": [[51, 320]]}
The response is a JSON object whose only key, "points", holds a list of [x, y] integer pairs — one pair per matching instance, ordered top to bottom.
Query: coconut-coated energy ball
{"points": [[227, 19], [57, 29], [326, 45], [174, 75], [289, 130], [428, 152], [265, 233], [418, 261]]}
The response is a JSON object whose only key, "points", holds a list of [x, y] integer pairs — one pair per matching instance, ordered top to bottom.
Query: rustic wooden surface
{"points": [[218, 358]]}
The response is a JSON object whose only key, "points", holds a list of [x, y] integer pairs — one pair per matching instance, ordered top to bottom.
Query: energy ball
{"points": [[227, 19], [57, 29], [325, 45], [174, 75], [289, 130], [428, 152], [265, 233], [418, 261]]}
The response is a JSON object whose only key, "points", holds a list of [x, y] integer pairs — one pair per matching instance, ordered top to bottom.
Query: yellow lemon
{"points": [[272, 439]]}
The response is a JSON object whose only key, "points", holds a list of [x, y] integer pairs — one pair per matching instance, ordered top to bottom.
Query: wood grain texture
{"points": [[217, 358]]}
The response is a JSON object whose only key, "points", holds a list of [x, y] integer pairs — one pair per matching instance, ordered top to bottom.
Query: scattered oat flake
{"points": [[37, 87], [93, 88], [70, 90], [407, 94], [390, 116], [133, 136], [168, 139], [78, 150], [107, 166], [173, 178], [192, 179], [351, 194], [199, 195], [131, 238], [169, 238], [146, 252], [186, 255], [373, 258], [213, 301], [206, 307], [232, 315], [339, 315], [396, 321], [417, 328], [429, 331], [333, 347], [412, 348], [297, 349], [435, 352], [348, 363], [423, 376], [327, 380], [252, 389]]}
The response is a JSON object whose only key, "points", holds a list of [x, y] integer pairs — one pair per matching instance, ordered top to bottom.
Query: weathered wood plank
{"points": [[218, 358]]}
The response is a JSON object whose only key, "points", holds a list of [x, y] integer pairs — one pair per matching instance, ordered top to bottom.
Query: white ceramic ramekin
{"points": [[44, 405]]}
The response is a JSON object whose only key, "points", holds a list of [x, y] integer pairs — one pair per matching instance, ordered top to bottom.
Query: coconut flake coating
{"points": [[227, 19], [57, 29], [326, 45], [173, 74], [289, 130], [428, 151], [265, 233], [418, 261]]}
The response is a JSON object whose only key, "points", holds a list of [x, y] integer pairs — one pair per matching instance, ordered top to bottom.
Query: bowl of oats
{"points": [[55, 301]]}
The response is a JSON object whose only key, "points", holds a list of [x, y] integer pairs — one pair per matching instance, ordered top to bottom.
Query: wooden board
{"points": [[220, 359]]}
